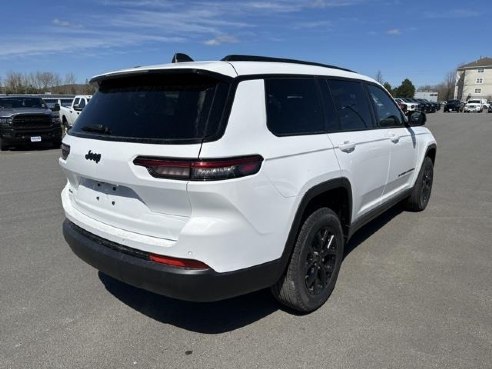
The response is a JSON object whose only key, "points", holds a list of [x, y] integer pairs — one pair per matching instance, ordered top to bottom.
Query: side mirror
{"points": [[56, 107], [416, 118]]}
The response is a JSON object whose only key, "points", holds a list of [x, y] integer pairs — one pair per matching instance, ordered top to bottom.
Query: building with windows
{"points": [[474, 80]]}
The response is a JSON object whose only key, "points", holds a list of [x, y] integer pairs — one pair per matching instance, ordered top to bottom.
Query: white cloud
{"points": [[61, 23], [115, 24], [313, 24], [393, 32], [222, 39]]}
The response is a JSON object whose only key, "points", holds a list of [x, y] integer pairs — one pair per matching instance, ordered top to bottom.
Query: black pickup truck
{"points": [[27, 120]]}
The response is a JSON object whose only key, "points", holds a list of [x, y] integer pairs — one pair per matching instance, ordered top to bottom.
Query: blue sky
{"points": [[419, 40]]}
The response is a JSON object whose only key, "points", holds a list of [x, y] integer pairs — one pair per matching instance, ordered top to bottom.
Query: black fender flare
{"points": [[313, 192]]}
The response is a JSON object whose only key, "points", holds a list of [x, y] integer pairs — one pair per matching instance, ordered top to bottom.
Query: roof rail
{"points": [[233, 58]]}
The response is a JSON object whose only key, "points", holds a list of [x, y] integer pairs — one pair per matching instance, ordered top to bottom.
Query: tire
{"points": [[65, 124], [56, 144], [3, 145], [421, 192], [314, 265]]}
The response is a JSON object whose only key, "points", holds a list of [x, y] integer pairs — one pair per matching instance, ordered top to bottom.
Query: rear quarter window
{"points": [[293, 106]]}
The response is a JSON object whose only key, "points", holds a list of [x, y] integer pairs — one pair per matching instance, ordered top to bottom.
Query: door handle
{"points": [[394, 138], [347, 146]]}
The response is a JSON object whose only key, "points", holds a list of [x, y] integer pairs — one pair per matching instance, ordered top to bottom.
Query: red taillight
{"points": [[201, 170], [178, 263]]}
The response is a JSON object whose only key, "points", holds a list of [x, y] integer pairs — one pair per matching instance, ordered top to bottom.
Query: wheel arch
{"points": [[431, 152], [335, 194]]}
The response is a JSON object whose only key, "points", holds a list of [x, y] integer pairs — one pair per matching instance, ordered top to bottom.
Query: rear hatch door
{"points": [[154, 115]]}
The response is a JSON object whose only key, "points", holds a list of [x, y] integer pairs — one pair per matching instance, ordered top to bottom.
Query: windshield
{"points": [[22, 102], [66, 102], [474, 102], [154, 106]]}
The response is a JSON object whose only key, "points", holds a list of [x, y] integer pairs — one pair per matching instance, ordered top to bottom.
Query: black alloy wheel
{"points": [[427, 179], [422, 189], [320, 261], [313, 268]]}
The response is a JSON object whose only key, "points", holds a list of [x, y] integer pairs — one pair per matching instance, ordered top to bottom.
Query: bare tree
{"points": [[379, 77], [70, 79], [47, 80], [41, 82], [15, 83], [450, 83], [426, 88]]}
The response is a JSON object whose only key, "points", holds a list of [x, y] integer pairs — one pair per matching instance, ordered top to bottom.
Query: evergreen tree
{"points": [[388, 87], [406, 89]]}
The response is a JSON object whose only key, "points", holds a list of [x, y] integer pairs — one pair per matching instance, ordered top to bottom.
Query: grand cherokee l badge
{"points": [[93, 156]]}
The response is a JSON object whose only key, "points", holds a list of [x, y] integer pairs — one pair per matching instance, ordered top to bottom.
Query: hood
{"points": [[11, 112]]}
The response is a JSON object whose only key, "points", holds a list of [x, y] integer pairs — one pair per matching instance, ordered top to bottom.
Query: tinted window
{"points": [[22, 102], [66, 102], [50, 103], [352, 105], [154, 106], [293, 106], [387, 113]]}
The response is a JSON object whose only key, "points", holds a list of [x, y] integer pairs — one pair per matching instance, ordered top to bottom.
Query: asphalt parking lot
{"points": [[414, 291]]}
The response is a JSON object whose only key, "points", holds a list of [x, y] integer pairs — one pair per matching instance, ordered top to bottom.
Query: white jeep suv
{"points": [[207, 180]]}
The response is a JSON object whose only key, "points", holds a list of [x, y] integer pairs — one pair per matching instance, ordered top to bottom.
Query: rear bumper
{"points": [[132, 267]]}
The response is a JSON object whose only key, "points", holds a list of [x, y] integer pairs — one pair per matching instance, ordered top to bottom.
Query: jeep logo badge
{"points": [[93, 156]]}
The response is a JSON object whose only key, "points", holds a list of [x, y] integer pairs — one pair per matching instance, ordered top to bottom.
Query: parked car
{"points": [[55, 103], [485, 104], [410, 105], [421, 105], [453, 105], [402, 106], [473, 106], [428, 107], [489, 110], [69, 114], [27, 120], [203, 181]]}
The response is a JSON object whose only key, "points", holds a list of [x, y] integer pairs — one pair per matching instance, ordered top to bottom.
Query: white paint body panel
{"points": [[237, 223]]}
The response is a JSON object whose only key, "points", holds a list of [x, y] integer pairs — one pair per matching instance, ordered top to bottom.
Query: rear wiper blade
{"points": [[97, 128]]}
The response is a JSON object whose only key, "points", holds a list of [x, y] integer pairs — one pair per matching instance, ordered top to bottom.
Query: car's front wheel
{"points": [[314, 265]]}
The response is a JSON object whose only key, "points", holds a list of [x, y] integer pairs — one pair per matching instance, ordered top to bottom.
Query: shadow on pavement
{"points": [[44, 146], [372, 227], [222, 316], [209, 318]]}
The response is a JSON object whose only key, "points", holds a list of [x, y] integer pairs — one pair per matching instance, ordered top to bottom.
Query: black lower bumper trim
{"points": [[184, 284]]}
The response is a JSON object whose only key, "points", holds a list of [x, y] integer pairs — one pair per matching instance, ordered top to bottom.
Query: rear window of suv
{"points": [[154, 107]]}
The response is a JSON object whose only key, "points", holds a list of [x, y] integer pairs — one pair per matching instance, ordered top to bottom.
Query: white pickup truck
{"points": [[68, 115]]}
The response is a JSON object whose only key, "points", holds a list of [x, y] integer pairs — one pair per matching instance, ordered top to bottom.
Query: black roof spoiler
{"points": [[181, 58]]}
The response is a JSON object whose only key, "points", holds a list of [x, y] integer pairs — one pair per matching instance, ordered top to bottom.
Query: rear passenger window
{"points": [[352, 105], [293, 107], [388, 114]]}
